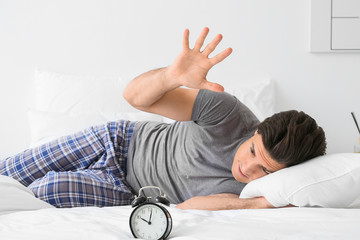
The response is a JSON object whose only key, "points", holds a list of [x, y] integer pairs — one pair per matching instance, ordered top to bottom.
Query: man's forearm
{"points": [[149, 87], [214, 203]]}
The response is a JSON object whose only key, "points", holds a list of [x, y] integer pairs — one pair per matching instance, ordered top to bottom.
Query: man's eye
{"points": [[252, 151], [266, 171]]}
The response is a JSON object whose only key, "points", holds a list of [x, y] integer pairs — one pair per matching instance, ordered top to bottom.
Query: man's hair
{"points": [[292, 137]]}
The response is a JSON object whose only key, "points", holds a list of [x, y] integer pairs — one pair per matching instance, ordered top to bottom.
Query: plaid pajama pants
{"points": [[87, 168]]}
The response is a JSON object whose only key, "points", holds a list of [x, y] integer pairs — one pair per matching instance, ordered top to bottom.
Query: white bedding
{"points": [[23, 216], [19, 218], [112, 223]]}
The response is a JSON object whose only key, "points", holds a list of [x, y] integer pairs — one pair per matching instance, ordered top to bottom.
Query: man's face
{"points": [[252, 161]]}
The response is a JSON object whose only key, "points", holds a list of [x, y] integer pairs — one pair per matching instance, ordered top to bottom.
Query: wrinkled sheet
{"points": [[112, 223]]}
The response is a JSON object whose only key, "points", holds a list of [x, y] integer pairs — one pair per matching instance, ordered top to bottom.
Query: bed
{"points": [[325, 191], [328, 197], [112, 223]]}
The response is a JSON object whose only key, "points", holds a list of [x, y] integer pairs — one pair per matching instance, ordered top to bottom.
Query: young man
{"points": [[221, 133], [202, 161]]}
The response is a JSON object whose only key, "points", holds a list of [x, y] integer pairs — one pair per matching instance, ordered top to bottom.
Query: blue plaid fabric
{"points": [[87, 168]]}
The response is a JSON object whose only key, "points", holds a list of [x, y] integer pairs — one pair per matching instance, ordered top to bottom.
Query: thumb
{"points": [[212, 86]]}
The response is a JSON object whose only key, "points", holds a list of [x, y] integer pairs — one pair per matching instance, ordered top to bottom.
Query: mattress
{"points": [[112, 223]]}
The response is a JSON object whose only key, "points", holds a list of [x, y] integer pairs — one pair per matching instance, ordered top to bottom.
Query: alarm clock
{"points": [[150, 220]]}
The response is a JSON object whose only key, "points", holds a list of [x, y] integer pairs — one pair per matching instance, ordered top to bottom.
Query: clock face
{"points": [[150, 221]]}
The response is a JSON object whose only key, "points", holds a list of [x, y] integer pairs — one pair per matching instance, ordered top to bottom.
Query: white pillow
{"points": [[57, 92], [259, 97], [68, 103], [47, 126], [331, 181], [16, 197]]}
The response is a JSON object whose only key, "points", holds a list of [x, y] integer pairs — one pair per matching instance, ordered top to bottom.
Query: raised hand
{"points": [[191, 67], [158, 91]]}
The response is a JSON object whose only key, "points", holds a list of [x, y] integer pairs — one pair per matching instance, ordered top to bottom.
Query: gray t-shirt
{"points": [[191, 158]]}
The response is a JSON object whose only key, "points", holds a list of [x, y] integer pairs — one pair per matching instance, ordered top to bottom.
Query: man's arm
{"points": [[158, 91], [155, 92], [224, 202]]}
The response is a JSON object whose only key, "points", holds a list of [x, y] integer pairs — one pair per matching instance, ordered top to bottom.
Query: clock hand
{"points": [[150, 217], [145, 220]]}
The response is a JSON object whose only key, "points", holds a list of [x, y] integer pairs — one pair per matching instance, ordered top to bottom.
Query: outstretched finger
{"points": [[186, 39], [200, 41], [211, 46], [221, 56]]}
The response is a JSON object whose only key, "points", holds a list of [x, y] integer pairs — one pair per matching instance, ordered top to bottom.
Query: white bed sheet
{"points": [[112, 223]]}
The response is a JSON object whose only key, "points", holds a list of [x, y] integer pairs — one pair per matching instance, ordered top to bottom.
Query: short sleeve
{"points": [[210, 107]]}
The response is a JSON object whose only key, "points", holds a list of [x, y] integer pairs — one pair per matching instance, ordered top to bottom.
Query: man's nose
{"points": [[248, 167], [252, 170]]}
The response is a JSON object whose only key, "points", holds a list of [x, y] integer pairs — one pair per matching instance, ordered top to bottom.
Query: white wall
{"points": [[102, 37]]}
